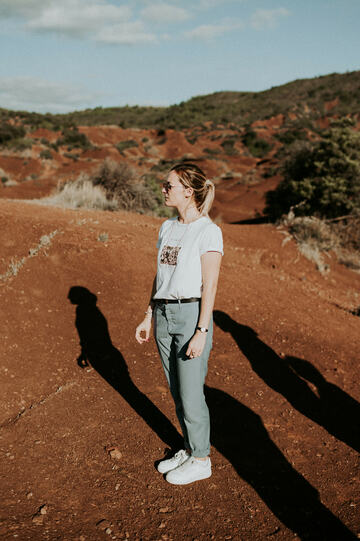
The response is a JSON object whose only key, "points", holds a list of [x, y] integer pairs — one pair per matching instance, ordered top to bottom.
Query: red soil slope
{"points": [[31, 173], [282, 389]]}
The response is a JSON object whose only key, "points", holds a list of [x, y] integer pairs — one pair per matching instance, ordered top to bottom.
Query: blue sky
{"points": [[62, 55]]}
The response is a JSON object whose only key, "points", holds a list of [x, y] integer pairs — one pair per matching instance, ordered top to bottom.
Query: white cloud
{"points": [[165, 13], [77, 17], [267, 18], [98, 20], [211, 31], [128, 33], [31, 94]]}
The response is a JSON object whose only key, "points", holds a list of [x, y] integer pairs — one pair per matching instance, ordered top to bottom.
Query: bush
{"points": [[9, 132], [75, 139], [123, 145], [228, 146], [258, 147], [46, 154], [322, 179], [81, 193], [132, 194]]}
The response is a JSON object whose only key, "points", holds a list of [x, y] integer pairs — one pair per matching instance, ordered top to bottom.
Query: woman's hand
{"points": [[145, 326], [196, 345]]}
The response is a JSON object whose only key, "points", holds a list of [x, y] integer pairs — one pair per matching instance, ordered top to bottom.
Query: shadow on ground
{"points": [[98, 350], [329, 407], [237, 432]]}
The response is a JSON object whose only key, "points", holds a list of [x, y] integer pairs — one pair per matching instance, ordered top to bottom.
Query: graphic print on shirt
{"points": [[169, 255]]}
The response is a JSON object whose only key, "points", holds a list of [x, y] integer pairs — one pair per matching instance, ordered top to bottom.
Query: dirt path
{"points": [[78, 445]]}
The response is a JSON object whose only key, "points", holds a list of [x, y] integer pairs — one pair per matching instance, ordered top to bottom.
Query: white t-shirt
{"points": [[179, 257]]}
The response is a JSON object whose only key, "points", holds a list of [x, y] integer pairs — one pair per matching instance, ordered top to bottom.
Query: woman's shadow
{"points": [[98, 351], [329, 406], [237, 432], [240, 436]]}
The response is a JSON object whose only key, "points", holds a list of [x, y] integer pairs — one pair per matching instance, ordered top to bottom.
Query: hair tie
{"points": [[208, 182]]}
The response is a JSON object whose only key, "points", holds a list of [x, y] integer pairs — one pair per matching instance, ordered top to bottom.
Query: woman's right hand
{"points": [[144, 327]]}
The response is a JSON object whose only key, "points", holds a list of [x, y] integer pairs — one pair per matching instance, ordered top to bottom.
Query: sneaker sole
{"points": [[188, 481]]}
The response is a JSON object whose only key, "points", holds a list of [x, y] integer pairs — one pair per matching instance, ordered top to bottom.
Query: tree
{"points": [[323, 178]]}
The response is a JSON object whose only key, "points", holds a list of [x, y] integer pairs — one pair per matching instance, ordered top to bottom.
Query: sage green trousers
{"points": [[174, 326]]}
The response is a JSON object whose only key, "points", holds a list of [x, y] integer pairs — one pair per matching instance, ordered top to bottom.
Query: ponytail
{"points": [[191, 176], [205, 206]]}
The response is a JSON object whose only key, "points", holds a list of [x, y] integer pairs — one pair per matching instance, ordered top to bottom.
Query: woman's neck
{"points": [[188, 214]]}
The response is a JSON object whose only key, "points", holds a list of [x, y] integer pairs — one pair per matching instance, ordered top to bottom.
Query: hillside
{"points": [[311, 98], [240, 139], [78, 445]]}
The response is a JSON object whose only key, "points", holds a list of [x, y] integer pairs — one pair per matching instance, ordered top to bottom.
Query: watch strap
{"points": [[202, 329]]}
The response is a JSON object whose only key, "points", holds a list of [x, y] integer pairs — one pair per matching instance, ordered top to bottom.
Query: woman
{"points": [[182, 299]]}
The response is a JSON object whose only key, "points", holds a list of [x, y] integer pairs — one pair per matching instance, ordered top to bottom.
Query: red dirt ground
{"points": [[282, 389]]}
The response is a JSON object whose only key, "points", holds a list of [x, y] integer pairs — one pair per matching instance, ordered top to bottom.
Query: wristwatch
{"points": [[202, 329]]}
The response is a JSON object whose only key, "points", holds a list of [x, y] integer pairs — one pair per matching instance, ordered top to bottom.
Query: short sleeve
{"points": [[161, 231], [211, 240]]}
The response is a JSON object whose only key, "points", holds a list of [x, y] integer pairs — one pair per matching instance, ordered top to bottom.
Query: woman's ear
{"points": [[189, 192]]}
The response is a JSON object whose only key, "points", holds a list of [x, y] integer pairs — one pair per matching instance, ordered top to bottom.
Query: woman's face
{"points": [[175, 194]]}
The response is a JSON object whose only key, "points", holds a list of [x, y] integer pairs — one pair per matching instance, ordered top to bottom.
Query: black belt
{"points": [[175, 301]]}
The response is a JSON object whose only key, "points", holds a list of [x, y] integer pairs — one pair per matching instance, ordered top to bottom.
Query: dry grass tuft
{"points": [[81, 193], [316, 237]]}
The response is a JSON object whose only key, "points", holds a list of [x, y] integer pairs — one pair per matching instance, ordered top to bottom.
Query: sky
{"points": [[64, 55]]}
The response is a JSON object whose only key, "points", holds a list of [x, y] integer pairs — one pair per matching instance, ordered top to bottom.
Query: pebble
{"points": [[114, 452], [29, 495], [43, 509], [38, 519], [103, 524]]}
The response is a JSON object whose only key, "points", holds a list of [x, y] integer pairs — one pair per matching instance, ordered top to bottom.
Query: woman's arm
{"points": [[210, 268], [145, 325]]}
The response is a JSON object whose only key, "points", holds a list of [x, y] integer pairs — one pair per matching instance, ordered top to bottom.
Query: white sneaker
{"points": [[171, 463], [188, 472]]}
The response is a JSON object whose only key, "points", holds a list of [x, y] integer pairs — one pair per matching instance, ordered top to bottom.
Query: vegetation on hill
{"points": [[308, 98], [321, 178], [318, 199]]}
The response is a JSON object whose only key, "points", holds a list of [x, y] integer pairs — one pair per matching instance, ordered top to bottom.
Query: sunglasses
{"points": [[167, 186]]}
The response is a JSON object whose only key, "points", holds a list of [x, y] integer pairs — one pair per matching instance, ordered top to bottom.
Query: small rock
{"points": [[114, 452], [117, 486], [29, 495], [43, 509], [163, 510], [38, 519], [103, 524], [162, 524], [108, 531], [82, 538]]}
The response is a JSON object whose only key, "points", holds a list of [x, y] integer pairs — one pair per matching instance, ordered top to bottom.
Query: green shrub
{"points": [[8, 132], [73, 138], [191, 139], [123, 145], [228, 146], [258, 147], [212, 151], [46, 154], [323, 177], [131, 193]]}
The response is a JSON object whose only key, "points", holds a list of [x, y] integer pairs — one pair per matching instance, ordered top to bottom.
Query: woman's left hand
{"points": [[196, 345]]}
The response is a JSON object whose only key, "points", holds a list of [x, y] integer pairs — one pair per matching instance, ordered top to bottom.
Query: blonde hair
{"points": [[191, 176]]}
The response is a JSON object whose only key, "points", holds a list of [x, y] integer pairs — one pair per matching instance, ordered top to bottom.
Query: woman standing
{"points": [[190, 248]]}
